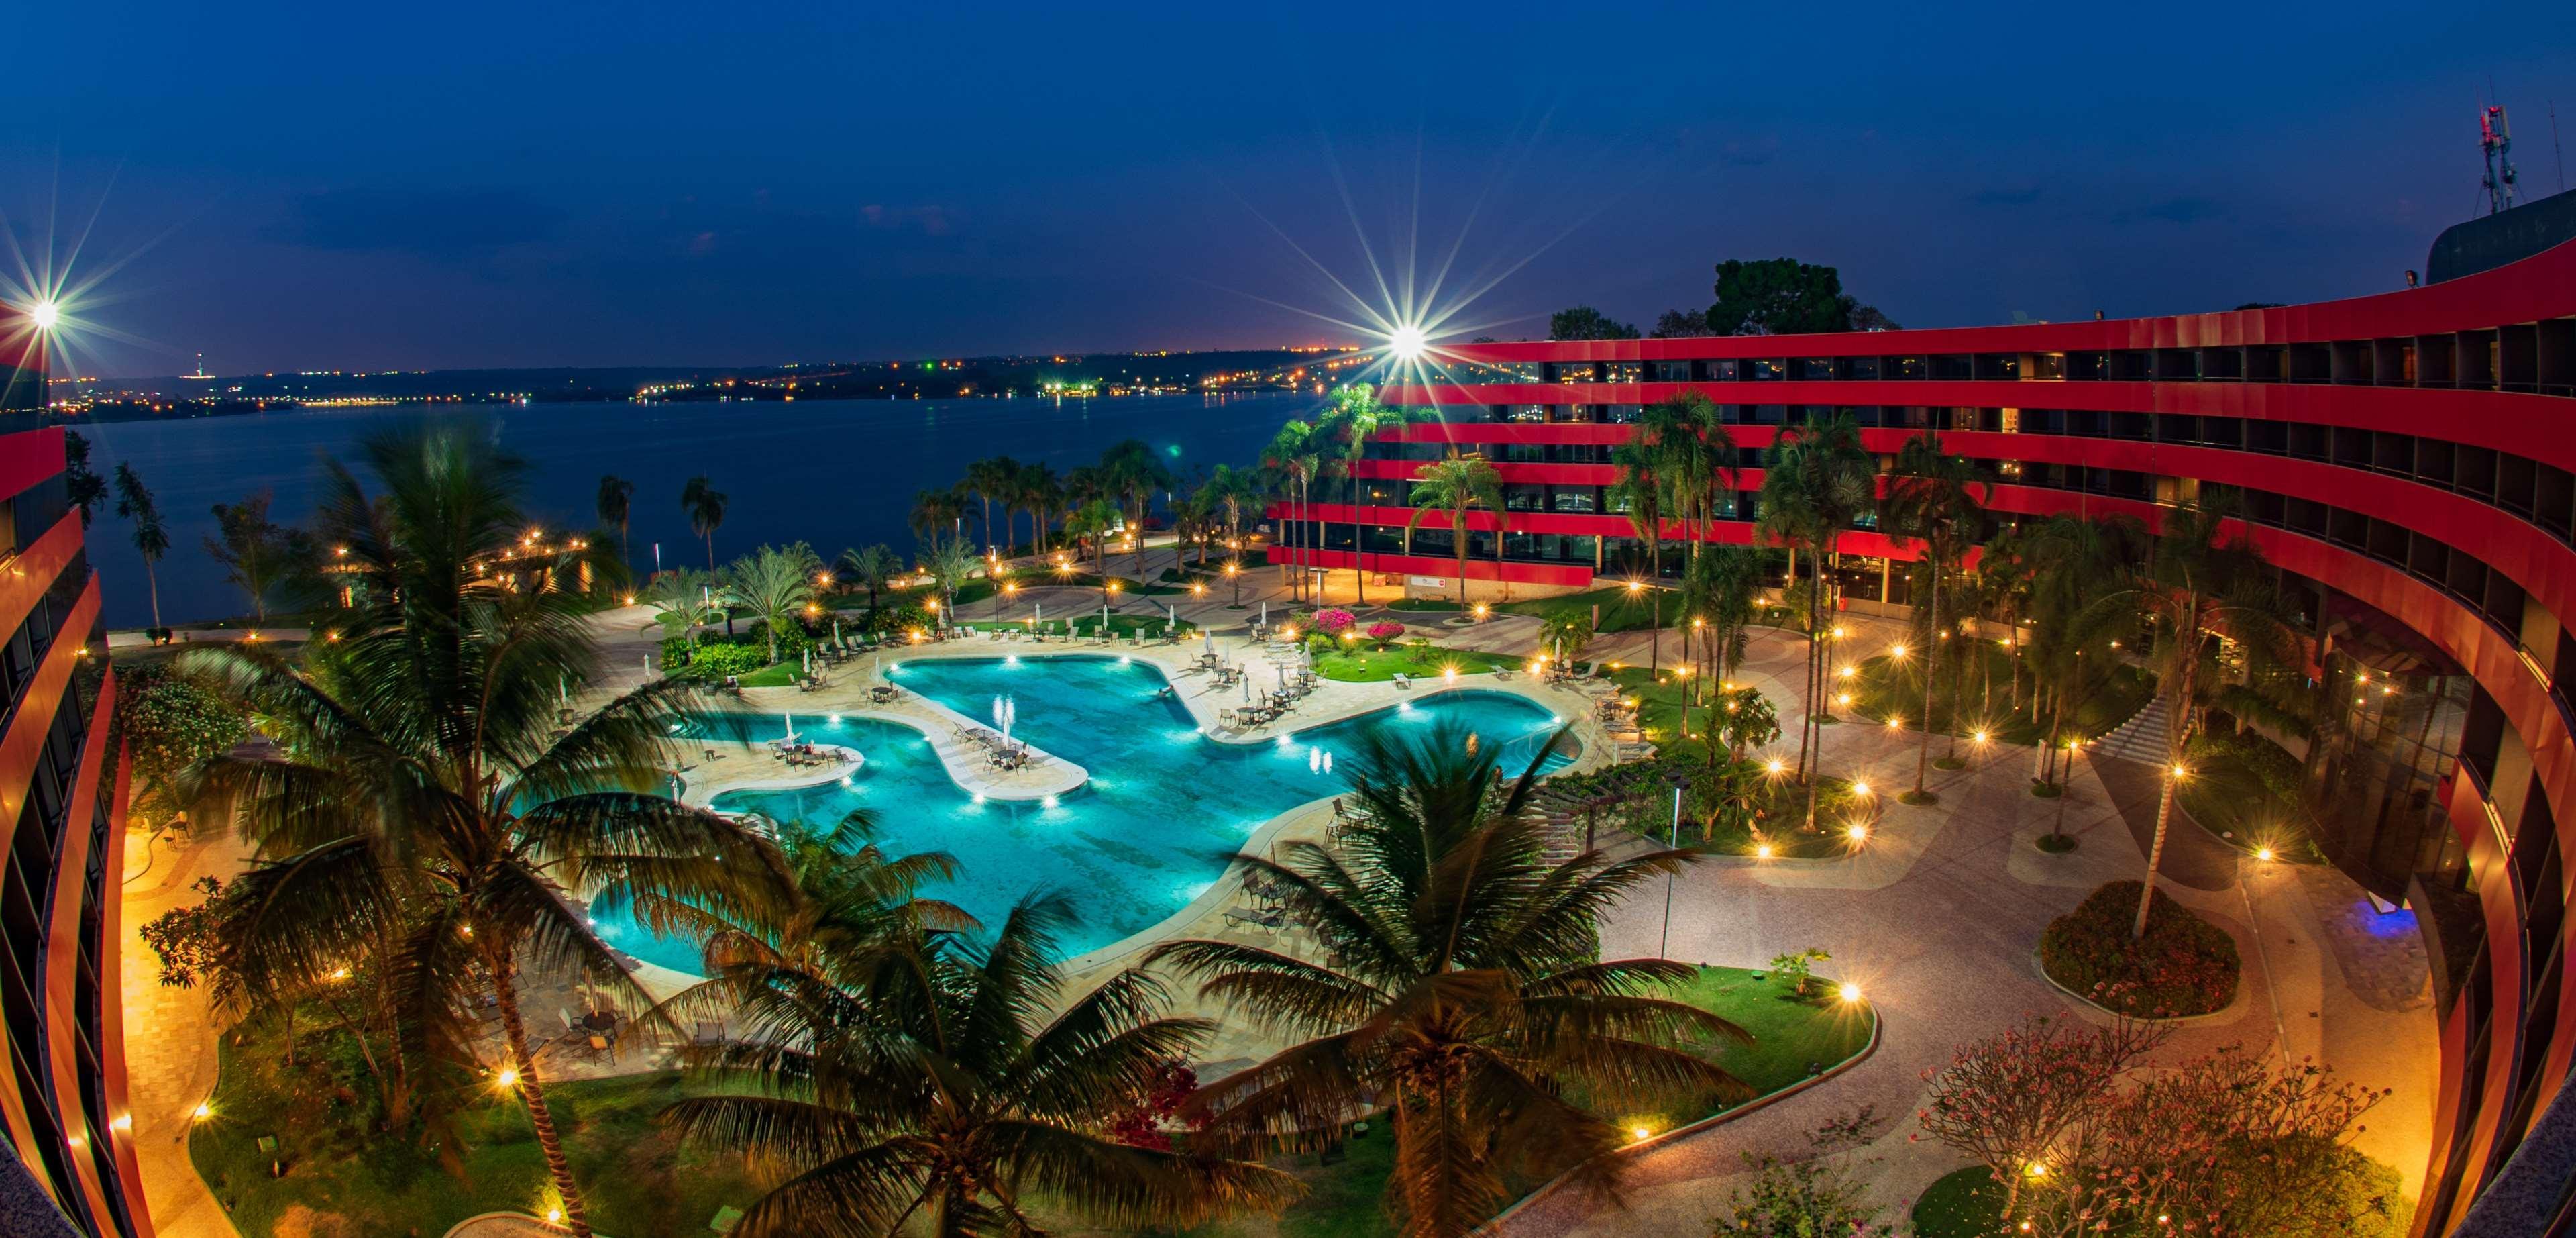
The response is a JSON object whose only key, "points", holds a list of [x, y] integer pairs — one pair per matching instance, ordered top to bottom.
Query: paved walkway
{"points": [[169, 1035]]}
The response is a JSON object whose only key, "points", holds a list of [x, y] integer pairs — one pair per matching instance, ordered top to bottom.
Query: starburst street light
{"points": [[45, 314], [1406, 342]]}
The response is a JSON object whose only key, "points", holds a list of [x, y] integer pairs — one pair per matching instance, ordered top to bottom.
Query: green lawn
{"points": [[1361, 664], [781, 675], [1883, 686], [2242, 790], [1789, 1035], [636, 1179], [1964, 1203]]}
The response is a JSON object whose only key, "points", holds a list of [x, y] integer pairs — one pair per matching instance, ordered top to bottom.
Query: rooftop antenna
{"points": [[2496, 143], [2555, 149]]}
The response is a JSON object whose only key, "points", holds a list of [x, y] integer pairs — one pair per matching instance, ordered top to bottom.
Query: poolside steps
{"points": [[2146, 737]]}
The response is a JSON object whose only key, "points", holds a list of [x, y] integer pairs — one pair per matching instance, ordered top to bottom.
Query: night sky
{"points": [[388, 186]]}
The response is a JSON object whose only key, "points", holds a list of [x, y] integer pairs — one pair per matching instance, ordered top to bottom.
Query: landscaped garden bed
{"points": [[1882, 687], [2244, 790], [2184, 965], [1794, 1039]]}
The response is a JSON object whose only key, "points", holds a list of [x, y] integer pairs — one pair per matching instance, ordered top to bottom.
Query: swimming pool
{"points": [[1149, 832]]}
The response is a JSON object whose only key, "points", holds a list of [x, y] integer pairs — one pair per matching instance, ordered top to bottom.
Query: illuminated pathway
{"points": [[1938, 924]]}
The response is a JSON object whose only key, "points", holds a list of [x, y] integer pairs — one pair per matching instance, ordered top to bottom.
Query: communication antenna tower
{"points": [[2496, 143]]}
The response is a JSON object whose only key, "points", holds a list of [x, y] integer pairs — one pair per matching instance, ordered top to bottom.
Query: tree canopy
{"points": [[1582, 322]]}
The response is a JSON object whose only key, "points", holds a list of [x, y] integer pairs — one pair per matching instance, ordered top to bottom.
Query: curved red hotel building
{"points": [[2406, 461], [69, 1169]]}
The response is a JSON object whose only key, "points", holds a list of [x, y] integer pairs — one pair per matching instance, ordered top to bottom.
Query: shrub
{"points": [[1333, 621], [1384, 632], [714, 659], [168, 722], [2183, 966]]}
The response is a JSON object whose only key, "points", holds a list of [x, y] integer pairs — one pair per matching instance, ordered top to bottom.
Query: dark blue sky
{"points": [[375, 186]]}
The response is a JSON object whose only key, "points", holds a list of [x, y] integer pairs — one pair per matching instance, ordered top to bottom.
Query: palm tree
{"points": [[1356, 418], [1297, 451], [1694, 457], [1133, 472], [989, 479], [1818, 481], [1457, 486], [1229, 490], [1639, 491], [1041, 494], [616, 495], [1934, 498], [706, 507], [935, 514], [1094, 520], [151, 539], [950, 563], [875, 565], [2203, 579], [776, 582], [1718, 591], [683, 600], [426, 789], [844, 906], [1466, 992], [929, 1089]]}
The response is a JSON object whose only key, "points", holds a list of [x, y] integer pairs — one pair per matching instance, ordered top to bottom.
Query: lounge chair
{"points": [[1403, 682]]}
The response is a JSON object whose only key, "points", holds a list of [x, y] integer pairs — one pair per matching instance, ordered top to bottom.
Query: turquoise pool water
{"points": [[1150, 832]]}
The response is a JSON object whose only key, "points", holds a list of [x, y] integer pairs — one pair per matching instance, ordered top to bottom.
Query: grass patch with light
{"points": [[1361, 664], [2244, 790], [1793, 1038], [341, 1178]]}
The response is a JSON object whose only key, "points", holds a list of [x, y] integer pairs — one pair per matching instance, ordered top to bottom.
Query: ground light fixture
{"points": [[1860, 789], [1857, 833], [2264, 854], [1850, 993], [507, 1079], [1641, 1132]]}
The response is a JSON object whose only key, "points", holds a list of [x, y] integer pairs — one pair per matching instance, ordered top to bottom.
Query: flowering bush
{"points": [[1334, 621], [1383, 632], [2183, 966], [1142, 1125]]}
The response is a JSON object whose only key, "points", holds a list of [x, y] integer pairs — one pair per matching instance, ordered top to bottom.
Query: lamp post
{"points": [[1674, 842]]}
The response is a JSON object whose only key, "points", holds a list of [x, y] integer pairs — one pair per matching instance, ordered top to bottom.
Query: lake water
{"points": [[834, 473]]}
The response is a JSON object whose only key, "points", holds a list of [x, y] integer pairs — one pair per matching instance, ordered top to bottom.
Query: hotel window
{"points": [[1999, 366], [2049, 366], [1908, 367], [1951, 367], [1863, 368], [1766, 369], [1814, 369], [1721, 370], [1572, 371], [1669, 371], [1620, 372], [1533, 413], [1578, 414], [1620, 414], [1524, 498], [1574, 498]]}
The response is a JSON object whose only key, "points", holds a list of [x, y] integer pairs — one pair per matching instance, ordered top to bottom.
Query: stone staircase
{"points": [[2145, 737]]}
